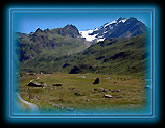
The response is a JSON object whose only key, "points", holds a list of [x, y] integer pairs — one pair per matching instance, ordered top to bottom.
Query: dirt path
{"points": [[32, 107]]}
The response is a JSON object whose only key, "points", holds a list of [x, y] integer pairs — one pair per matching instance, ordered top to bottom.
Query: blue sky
{"points": [[29, 21]]}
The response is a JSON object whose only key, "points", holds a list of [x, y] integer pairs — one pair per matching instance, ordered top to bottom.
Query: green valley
{"points": [[115, 56], [58, 67]]}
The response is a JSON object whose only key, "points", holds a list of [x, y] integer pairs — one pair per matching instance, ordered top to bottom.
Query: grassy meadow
{"points": [[78, 91]]}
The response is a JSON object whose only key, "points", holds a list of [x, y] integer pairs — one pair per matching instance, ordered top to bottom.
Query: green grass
{"points": [[133, 61], [131, 90]]}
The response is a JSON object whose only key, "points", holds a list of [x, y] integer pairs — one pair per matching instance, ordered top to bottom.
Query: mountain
{"points": [[120, 28], [68, 30], [57, 42], [117, 47], [115, 56]]}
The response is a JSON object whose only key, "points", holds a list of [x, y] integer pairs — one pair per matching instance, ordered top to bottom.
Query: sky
{"points": [[27, 22]]}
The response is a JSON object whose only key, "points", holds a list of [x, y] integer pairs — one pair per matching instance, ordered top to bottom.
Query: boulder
{"points": [[96, 81], [37, 84], [57, 85], [101, 90], [105, 90], [115, 90], [77, 94], [107, 96]]}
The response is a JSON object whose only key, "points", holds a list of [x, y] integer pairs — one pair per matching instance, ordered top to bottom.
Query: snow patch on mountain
{"points": [[124, 20], [116, 22], [110, 23], [96, 29], [112, 30], [90, 35], [87, 36], [98, 40]]}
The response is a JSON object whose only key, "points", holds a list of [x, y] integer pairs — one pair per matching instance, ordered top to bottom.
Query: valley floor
{"points": [[77, 92]]}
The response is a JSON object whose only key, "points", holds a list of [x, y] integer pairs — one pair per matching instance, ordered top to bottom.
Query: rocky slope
{"points": [[120, 28], [57, 42]]}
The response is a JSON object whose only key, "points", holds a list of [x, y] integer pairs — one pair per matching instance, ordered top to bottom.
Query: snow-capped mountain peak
{"points": [[115, 22], [110, 23], [119, 28], [91, 35]]}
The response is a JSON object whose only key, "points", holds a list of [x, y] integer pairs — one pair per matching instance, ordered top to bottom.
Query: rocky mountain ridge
{"points": [[120, 28], [58, 42]]}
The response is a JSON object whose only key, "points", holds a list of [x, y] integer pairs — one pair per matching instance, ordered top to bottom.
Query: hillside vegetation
{"points": [[56, 42], [114, 56]]}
